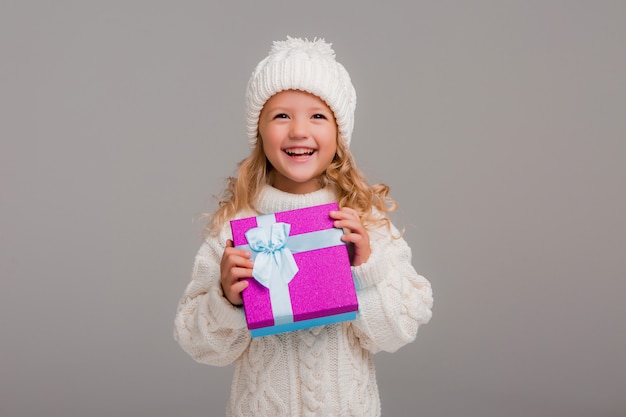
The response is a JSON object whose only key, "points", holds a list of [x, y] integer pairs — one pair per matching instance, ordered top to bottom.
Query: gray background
{"points": [[499, 125]]}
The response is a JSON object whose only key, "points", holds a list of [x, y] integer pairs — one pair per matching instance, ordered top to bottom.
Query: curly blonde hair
{"points": [[371, 202]]}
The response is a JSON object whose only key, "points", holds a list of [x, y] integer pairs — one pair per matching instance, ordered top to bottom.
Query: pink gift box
{"points": [[321, 291]]}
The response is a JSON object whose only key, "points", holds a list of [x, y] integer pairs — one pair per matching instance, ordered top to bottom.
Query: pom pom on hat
{"points": [[300, 64]]}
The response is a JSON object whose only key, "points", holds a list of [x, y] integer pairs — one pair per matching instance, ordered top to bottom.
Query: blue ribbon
{"points": [[274, 265]]}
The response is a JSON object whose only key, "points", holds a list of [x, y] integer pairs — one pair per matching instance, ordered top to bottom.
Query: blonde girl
{"points": [[300, 106]]}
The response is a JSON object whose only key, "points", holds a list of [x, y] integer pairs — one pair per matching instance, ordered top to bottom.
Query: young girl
{"points": [[300, 115]]}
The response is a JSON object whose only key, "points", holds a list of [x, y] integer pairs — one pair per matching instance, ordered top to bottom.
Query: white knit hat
{"points": [[297, 64]]}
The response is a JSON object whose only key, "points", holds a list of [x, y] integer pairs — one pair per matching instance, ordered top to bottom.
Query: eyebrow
{"points": [[315, 109], [321, 109]]}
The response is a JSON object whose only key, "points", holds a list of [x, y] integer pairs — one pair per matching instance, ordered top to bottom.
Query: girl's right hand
{"points": [[235, 264]]}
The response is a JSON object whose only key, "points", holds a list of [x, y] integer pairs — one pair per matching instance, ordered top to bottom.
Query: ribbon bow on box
{"points": [[273, 258], [274, 265]]}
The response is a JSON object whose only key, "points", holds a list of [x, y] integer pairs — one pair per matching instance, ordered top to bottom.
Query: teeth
{"points": [[299, 151]]}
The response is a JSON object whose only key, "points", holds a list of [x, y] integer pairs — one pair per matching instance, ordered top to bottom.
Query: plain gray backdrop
{"points": [[499, 125]]}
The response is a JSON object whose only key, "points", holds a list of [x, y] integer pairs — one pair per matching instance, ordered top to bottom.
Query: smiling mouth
{"points": [[299, 152]]}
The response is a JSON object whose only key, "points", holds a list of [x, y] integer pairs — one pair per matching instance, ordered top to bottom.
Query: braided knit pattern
{"points": [[313, 355], [326, 371], [360, 376], [258, 395]]}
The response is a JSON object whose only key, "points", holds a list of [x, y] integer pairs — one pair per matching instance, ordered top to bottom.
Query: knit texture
{"points": [[300, 64], [323, 371]]}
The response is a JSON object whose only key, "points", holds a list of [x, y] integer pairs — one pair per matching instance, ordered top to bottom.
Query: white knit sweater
{"points": [[324, 371]]}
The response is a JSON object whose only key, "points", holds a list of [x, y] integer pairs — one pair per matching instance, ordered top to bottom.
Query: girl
{"points": [[300, 106]]}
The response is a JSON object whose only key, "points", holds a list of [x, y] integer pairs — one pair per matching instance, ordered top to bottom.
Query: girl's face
{"points": [[299, 135]]}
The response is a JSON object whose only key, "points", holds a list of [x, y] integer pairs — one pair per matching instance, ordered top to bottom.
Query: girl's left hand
{"points": [[347, 218]]}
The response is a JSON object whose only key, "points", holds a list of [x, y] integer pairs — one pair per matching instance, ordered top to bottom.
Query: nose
{"points": [[299, 129]]}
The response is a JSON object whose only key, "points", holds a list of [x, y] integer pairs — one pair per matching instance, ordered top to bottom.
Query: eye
{"points": [[281, 116], [319, 116]]}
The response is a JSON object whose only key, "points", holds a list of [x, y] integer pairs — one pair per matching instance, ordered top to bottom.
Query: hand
{"points": [[347, 218], [235, 265]]}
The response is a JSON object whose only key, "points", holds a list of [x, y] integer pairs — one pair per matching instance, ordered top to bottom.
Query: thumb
{"points": [[229, 243]]}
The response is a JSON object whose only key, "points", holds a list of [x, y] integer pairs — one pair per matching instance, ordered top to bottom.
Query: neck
{"points": [[271, 199]]}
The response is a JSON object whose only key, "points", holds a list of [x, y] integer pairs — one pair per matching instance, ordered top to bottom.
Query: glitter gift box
{"points": [[301, 277]]}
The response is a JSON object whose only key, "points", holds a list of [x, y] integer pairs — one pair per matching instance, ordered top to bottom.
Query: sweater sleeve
{"points": [[393, 299], [207, 326]]}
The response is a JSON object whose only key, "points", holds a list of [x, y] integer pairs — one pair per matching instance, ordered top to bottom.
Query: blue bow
{"points": [[274, 264]]}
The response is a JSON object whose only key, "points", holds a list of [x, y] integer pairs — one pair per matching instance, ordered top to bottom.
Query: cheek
{"points": [[270, 141], [331, 142], [329, 151], [270, 152]]}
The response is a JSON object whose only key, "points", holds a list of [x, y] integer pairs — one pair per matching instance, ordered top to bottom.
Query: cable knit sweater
{"points": [[324, 371]]}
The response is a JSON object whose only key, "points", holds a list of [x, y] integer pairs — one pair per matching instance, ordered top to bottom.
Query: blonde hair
{"points": [[371, 202]]}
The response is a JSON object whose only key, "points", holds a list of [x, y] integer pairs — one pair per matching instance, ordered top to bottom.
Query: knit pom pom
{"points": [[294, 46]]}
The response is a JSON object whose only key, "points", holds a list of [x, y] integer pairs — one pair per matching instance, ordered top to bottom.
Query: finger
{"points": [[351, 212], [344, 213], [348, 215], [353, 225], [354, 238], [229, 243], [235, 252], [234, 260], [232, 271], [238, 273], [239, 286], [234, 293]]}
